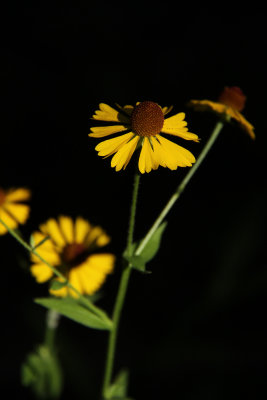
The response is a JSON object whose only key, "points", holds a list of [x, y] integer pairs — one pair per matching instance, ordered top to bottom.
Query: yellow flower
{"points": [[230, 102], [142, 126], [12, 211], [70, 247]]}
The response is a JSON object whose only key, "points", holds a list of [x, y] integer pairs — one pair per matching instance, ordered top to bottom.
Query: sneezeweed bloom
{"points": [[229, 106], [142, 126], [12, 210], [73, 248]]}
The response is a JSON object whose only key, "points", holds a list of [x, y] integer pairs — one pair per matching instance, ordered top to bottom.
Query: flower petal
{"points": [[107, 113], [175, 125], [102, 131], [111, 146], [172, 155], [122, 157], [148, 157], [20, 194], [19, 212], [8, 220], [66, 227], [51, 229], [81, 229], [98, 236], [46, 250], [41, 272]]}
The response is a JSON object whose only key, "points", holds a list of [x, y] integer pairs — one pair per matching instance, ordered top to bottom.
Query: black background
{"points": [[196, 326]]}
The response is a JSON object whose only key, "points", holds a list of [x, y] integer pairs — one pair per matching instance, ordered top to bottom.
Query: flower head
{"points": [[229, 106], [142, 126], [12, 211], [72, 247]]}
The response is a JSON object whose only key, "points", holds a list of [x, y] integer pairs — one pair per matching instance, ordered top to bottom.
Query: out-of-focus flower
{"points": [[229, 106], [142, 126], [12, 210], [73, 248]]}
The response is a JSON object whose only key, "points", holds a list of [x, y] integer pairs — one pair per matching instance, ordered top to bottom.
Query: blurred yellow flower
{"points": [[230, 102], [142, 126], [12, 211], [72, 247]]}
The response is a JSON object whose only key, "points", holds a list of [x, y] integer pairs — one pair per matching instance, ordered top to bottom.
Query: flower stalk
{"points": [[121, 293]]}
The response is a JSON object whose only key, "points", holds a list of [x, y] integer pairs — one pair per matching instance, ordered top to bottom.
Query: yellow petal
{"points": [[205, 105], [107, 113], [243, 123], [102, 131], [110, 146], [174, 156], [122, 157], [148, 158], [20, 194], [19, 212], [8, 220], [67, 228], [51, 229], [82, 229], [97, 235], [46, 250], [93, 271], [41, 272], [75, 281]]}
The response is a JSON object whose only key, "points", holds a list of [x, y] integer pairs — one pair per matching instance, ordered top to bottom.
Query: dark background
{"points": [[195, 327]]}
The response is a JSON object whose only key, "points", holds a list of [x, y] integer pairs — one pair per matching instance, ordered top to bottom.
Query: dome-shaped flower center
{"points": [[233, 97], [147, 119], [2, 196], [73, 253]]}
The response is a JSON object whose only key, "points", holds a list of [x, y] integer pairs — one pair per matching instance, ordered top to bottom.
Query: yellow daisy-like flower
{"points": [[230, 102], [142, 126], [12, 211], [70, 247]]}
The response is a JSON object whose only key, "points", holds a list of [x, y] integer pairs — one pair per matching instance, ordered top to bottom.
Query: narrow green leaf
{"points": [[153, 245], [149, 251], [71, 309]]}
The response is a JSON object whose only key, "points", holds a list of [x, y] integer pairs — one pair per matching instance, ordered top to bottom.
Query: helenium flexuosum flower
{"points": [[230, 104], [142, 126], [12, 209], [73, 248]]}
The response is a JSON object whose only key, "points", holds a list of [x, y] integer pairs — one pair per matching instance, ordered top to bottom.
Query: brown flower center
{"points": [[233, 97], [147, 119], [2, 196], [73, 254]]}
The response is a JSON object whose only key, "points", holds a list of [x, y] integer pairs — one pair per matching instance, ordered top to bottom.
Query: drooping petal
{"points": [[205, 105], [107, 113], [243, 123], [102, 131], [111, 146], [172, 155], [122, 157], [148, 159], [20, 194], [19, 212], [67, 228], [51, 229], [41, 272]]}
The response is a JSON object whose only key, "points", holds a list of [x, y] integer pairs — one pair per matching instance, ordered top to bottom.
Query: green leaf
{"points": [[149, 251], [73, 310], [42, 373], [118, 389]]}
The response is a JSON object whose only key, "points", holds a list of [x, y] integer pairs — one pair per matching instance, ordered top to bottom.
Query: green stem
{"points": [[180, 188], [121, 294], [83, 299]]}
